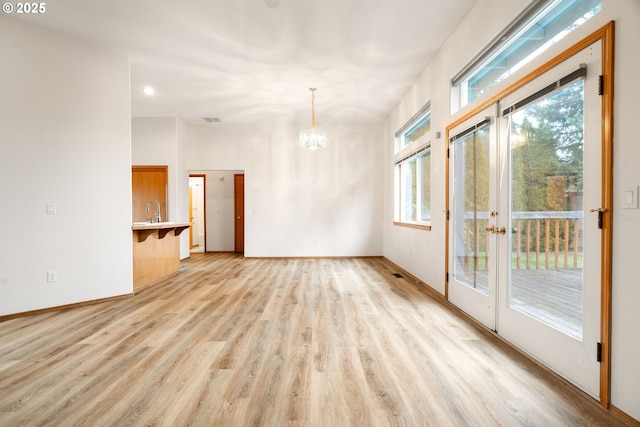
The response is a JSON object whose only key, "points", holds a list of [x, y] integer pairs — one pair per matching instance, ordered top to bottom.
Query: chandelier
{"points": [[313, 138]]}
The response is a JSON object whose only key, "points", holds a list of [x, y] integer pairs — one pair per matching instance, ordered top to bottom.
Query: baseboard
{"points": [[318, 257], [425, 286], [62, 307], [623, 417]]}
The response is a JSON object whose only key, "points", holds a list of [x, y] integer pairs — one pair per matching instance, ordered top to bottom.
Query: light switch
{"points": [[631, 197], [51, 208]]}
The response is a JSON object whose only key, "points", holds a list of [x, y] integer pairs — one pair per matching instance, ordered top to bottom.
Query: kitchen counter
{"points": [[145, 229], [156, 251]]}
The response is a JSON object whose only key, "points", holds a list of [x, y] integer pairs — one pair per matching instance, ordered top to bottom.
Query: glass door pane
{"points": [[547, 157], [471, 208]]}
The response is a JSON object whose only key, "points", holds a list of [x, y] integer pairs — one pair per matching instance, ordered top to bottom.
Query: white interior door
{"points": [[550, 258]]}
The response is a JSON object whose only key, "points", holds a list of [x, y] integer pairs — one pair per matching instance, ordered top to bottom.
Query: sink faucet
{"points": [[157, 219]]}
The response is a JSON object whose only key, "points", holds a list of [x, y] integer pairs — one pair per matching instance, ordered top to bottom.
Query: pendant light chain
{"points": [[313, 107], [313, 139]]}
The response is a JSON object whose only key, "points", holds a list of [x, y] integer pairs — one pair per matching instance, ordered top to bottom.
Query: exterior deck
{"points": [[546, 274], [553, 296]]}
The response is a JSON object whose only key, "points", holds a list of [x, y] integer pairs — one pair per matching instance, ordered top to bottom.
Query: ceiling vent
{"points": [[212, 120]]}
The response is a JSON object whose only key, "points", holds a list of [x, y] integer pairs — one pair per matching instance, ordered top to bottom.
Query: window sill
{"points": [[413, 225]]}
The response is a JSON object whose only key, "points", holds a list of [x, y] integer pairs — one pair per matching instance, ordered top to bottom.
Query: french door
{"points": [[473, 154], [525, 200]]}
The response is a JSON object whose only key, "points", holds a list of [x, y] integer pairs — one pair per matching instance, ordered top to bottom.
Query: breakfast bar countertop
{"points": [[158, 225]]}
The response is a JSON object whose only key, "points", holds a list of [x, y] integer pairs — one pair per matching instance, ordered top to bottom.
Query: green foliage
{"points": [[547, 146], [476, 155], [547, 158]]}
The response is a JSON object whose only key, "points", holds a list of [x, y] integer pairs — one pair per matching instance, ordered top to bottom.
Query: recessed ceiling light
{"points": [[148, 90]]}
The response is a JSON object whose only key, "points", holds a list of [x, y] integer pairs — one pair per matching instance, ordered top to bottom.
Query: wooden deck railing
{"points": [[539, 239]]}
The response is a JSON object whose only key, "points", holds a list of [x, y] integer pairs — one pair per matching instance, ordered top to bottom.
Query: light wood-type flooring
{"points": [[231, 341]]}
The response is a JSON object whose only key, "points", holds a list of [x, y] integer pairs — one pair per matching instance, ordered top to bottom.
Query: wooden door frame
{"points": [[606, 34], [204, 205], [236, 214], [190, 217]]}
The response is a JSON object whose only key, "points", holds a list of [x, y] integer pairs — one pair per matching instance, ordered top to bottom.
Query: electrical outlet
{"points": [[52, 276]]}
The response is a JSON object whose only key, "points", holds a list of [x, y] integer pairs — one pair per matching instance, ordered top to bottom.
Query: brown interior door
{"points": [[148, 183], [238, 191]]}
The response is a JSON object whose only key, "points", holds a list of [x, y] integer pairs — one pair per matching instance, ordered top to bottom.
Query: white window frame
{"points": [[529, 17], [405, 153]]}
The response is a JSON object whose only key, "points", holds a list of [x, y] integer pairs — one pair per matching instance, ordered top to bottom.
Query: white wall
{"points": [[64, 139], [162, 141], [181, 178], [299, 202], [418, 251], [422, 252], [625, 337]]}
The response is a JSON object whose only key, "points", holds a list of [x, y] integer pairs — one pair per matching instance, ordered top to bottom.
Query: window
{"points": [[542, 24], [416, 131], [413, 170]]}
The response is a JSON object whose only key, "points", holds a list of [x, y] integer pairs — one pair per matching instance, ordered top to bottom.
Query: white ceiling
{"points": [[245, 62]]}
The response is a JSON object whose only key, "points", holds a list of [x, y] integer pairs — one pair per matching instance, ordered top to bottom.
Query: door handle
{"points": [[238, 218], [496, 230]]}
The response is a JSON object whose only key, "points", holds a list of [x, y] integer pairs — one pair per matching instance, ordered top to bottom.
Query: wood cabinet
{"points": [[156, 252]]}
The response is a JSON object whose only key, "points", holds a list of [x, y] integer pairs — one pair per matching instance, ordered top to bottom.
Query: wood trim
{"points": [[606, 34], [582, 44], [149, 168], [238, 212], [410, 225], [146, 230], [303, 257], [423, 285], [63, 307], [623, 417]]}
